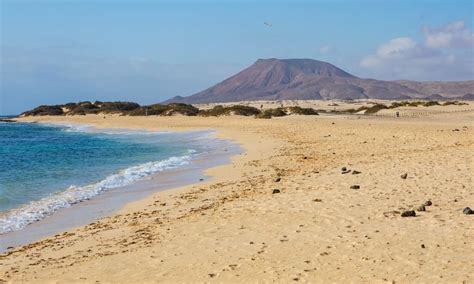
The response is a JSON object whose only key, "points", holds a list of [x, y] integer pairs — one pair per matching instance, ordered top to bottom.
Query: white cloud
{"points": [[452, 35], [396, 47], [325, 49], [402, 49], [405, 58]]}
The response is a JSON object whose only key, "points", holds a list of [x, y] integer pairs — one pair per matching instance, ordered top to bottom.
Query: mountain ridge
{"points": [[293, 79]]}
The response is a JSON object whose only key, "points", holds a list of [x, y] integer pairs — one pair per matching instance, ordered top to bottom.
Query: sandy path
{"points": [[233, 229]]}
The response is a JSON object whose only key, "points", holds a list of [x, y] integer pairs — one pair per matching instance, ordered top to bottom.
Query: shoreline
{"points": [[112, 201], [233, 228]]}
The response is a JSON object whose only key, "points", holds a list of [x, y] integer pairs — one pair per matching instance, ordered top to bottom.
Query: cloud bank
{"points": [[453, 35], [446, 54]]}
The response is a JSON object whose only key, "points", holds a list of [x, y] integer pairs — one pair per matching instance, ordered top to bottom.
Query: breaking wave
{"points": [[19, 218]]}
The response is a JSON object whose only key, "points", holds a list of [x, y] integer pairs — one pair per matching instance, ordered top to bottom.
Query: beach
{"points": [[283, 210]]}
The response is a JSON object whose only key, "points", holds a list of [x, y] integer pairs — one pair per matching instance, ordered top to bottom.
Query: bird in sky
{"points": [[267, 24]]}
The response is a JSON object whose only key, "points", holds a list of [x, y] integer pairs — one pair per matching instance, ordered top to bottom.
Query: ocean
{"points": [[45, 168]]}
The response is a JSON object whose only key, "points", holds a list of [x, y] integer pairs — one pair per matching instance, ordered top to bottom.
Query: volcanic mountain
{"points": [[292, 79]]}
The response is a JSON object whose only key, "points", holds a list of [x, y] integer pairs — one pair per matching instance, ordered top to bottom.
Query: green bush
{"points": [[431, 103], [456, 103], [375, 108], [44, 110], [165, 110], [231, 110], [302, 111], [273, 112]]}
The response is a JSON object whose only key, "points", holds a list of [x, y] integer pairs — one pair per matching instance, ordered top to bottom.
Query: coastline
{"points": [[113, 200], [232, 228]]}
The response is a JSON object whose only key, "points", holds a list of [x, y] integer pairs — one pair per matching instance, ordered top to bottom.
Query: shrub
{"points": [[431, 103], [453, 103], [114, 107], [83, 108], [375, 108], [184, 109], [44, 110], [165, 110], [232, 110], [302, 111], [273, 112]]}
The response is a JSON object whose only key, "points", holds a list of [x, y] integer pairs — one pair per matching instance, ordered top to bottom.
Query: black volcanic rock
{"points": [[289, 79]]}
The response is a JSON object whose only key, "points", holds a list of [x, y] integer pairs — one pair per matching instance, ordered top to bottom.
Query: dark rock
{"points": [[343, 169], [346, 172], [355, 172], [404, 176], [201, 179], [277, 179], [355, 186], [275, 191], [428, 203], [421, 208], [467, 211], [409, 213], [423, 246]]}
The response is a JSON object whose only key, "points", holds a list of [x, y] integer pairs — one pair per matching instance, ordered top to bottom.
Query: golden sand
{"points": [[317, 229]]}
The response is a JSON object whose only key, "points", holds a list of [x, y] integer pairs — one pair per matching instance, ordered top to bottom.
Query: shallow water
{"points": [[44, 168]]}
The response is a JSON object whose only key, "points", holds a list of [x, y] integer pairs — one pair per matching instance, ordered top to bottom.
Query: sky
{"points": [[63, 51]]}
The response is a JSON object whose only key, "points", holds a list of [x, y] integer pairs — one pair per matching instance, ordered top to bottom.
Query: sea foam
{"points": [[19, 218]]}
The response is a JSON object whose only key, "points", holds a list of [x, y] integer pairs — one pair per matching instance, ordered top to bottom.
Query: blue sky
{"points": [[148, 51]]}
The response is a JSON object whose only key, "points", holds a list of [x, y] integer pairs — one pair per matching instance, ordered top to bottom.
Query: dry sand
{"points": [[317, 229]]}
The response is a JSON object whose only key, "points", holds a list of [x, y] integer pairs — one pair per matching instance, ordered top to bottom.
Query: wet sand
{"points": [[233, 228]]}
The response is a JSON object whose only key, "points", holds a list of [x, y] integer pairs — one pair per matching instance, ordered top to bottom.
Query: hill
{"points": [[289, 79]]}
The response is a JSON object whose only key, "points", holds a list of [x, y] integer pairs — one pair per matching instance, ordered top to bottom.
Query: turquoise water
{"points": [[45, 168]]}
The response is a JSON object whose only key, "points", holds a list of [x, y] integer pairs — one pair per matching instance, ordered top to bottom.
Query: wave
{"points": [[86, 128], [19, 218]]}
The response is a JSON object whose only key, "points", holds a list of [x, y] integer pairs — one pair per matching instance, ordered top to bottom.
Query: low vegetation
{"points": [[377, 107], [83, 108], [134, 109], [44, 110], [165, 110], [230, 110], [283, 111], [302, 111], [273, 112]]}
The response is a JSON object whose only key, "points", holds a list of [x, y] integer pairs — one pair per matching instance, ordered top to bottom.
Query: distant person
{"points": [[398, 114]]}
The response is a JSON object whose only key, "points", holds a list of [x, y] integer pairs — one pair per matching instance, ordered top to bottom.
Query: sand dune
{"points": [[233, 228]]}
